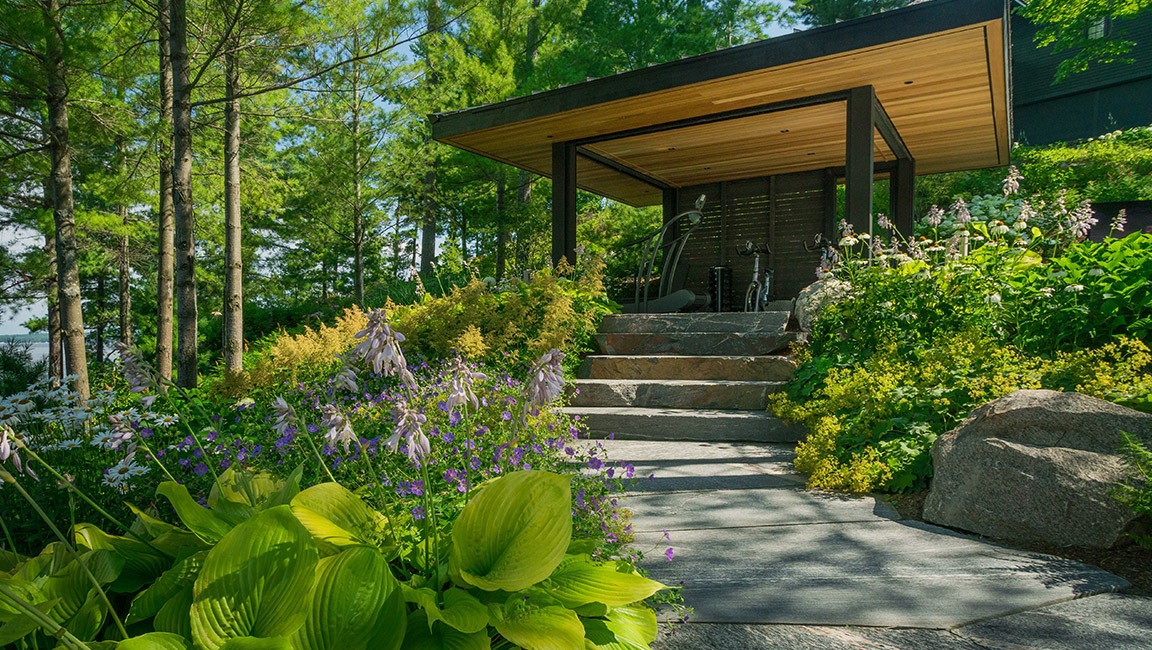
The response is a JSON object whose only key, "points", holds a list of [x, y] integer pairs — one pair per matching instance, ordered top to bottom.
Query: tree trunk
{"points": [[432, 77], [357, 206], [63, 213], [184, 221], [501, 227], [165, 243], [233, 261], [123, 268], [100, 323], [55, 349]]}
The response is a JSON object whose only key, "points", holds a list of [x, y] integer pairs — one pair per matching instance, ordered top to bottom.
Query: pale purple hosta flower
{"points": [[1012, 182], [960, 212], [1027, 212], [934, 217], [1081, 220], [1120, 221], [884, 222], [845, 228], [381, 348], [137, 373], [346, 378], [547, 382], [460, 386], [285, 416], [409, 425], [339, 430], [121, 432], [10, 443]]}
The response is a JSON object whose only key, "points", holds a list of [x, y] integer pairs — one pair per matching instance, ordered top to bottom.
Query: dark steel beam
{"points": [[900, 24], [760, 109], [888, 131], [622, 168], [859, 171], [902, 188], [564, 202]]}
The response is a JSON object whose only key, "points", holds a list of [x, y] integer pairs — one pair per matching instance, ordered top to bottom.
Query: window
{"points": [[1097, 28]]}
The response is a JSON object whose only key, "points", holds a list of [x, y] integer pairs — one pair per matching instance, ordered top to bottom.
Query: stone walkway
{"points": [[766, 564]]}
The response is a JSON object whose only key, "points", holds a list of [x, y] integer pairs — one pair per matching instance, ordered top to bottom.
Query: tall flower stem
{"points": [[319, 458], [377, 477], [8, 478], [74, 490], [7, 535], [54, 629]]}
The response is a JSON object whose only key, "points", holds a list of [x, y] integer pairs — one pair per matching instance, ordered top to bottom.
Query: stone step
{"points": [[768, 321], [695, 343], [729, 368], [674, 393], [629, 423]]}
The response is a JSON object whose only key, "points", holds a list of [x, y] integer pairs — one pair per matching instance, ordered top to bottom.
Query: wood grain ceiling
{"points": [[945, 92]]}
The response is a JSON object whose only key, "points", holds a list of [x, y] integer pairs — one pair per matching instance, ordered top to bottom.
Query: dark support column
{"points": [[859, 161], [902, 195], [563, 202], [670, 203], [830, 204], [671, 208]]}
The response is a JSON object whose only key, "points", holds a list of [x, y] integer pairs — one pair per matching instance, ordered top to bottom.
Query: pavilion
{"points": [[768, 131]]}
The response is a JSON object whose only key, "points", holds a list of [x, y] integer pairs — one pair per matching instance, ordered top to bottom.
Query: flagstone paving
{"points": [[752, 547]]}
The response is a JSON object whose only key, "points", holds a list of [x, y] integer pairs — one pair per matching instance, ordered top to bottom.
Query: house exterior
{"points": [[1106, 98]]}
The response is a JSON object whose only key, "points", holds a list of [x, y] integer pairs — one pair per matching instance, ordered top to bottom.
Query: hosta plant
{"points": [[267, 565]]}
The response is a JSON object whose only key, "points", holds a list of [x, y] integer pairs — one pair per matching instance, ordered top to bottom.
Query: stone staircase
{"points": [[700, 376]]}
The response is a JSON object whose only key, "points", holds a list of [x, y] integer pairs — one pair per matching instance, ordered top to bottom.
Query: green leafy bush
{"points": [[993, 296], [1136, 490], [487, 523], [269, 565]]}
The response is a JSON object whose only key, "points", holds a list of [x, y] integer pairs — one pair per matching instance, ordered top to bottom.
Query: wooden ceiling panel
{"points": [[945, 92]]}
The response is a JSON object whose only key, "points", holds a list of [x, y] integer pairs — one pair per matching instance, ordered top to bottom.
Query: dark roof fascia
{"points": [[896, 25]]}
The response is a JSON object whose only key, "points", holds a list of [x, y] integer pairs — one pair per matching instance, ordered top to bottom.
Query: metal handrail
{"points": [[653, 244]]}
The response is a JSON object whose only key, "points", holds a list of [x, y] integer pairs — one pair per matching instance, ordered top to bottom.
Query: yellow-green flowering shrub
{"points": [[872, 422]]}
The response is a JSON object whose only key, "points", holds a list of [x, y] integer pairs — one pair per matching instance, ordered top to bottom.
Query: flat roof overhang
{"points": [[939, 70]]}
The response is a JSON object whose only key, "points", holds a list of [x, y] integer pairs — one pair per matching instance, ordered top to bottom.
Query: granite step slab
{"points": [[767, 321], [695, 343], [729, 368], [673, 393], [631, 423], [749, 508], [880, 573]]}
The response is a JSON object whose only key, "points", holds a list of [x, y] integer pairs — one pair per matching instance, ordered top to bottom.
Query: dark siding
{"points": [[1105, 98]]}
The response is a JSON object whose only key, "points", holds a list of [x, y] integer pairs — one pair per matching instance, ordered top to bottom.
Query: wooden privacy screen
{"points": [[783, 211]]}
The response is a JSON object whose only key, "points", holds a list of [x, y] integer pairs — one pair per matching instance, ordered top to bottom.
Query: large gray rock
{"points": [[1036, 466]]}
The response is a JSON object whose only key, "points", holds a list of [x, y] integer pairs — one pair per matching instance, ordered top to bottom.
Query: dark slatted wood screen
{"points": [[782, 211]]}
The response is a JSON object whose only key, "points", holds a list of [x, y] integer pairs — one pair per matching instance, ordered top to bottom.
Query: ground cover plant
{"points": [[910, 334], [431, 505]]}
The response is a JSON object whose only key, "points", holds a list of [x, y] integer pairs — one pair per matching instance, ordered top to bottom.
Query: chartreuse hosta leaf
{"points": [[248, 488], [337, 517], [207, 525], [514, 532], [142, 565], [181, 576], [579, 581], [256, 582], [356, 604], [461, 611], [535, 623], [625, 628], [423, 636], [155, 641], [257, 643]]}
